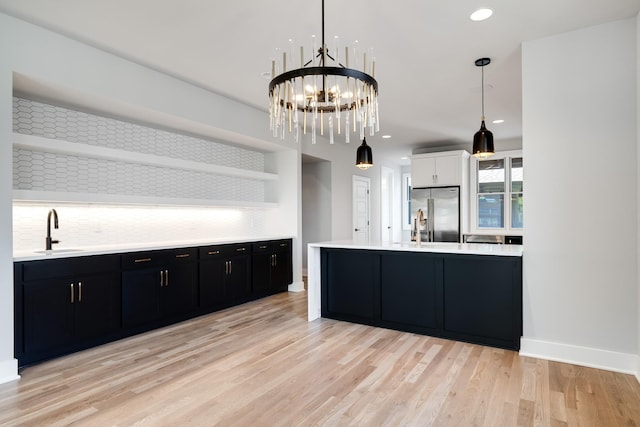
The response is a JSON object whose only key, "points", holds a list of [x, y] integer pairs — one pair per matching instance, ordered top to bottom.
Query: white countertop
{"points": [[436, 247], [62, 252]]}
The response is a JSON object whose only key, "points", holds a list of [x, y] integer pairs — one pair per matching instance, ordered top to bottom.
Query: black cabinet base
{"points": [[471, 298]]}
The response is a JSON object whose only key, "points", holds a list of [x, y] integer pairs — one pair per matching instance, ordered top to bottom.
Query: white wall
{"points": [[46, 57], [580, 146], [343, 159], [638, 174], [316, 204], [8, 365]]}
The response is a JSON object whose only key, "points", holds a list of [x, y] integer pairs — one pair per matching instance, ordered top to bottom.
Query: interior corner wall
{"points": [[638, 162], [316, 204], [581, 211]]}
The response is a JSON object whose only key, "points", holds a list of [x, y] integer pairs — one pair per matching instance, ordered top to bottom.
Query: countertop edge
{"points": [[431, 247], [32, 255]]}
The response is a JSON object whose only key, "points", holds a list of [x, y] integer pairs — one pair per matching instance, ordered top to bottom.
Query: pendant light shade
{"points": [[483, 139], [483, 143], [364, 156]]}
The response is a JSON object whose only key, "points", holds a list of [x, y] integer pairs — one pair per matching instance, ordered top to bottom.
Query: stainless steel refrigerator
{"points": [[441, 212]]}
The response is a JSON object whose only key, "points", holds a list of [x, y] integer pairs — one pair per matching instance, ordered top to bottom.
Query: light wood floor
{"points": [[263, 364]]}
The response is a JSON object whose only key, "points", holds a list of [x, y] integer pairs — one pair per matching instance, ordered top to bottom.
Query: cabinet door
{"points": [[447, 170], [423, 171], [261, 264], [281, 275], [212, 278], [238, 279], [350, 284], [411, 288], [178, 293], [140, 296], [482, 297], [97, 305], [48, 314]]}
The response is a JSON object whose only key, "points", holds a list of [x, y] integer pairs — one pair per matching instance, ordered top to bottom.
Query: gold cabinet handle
{"points": [[283, 245], [263, 247], [241, 249], [213, 252], [182, 255], [143, 260], [275, 260], [230, 267], [166, 277], [161, 278], [71, 288], [79, 291]]}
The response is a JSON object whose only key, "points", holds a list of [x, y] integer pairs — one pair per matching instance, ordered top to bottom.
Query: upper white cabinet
{"points": [[440, 169]]}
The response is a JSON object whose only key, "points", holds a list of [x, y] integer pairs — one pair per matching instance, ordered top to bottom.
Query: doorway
{"points": [[316, 203], [361, 209]]}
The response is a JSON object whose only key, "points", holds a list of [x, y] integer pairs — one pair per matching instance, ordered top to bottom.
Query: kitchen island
{"points": [[468, 292]]}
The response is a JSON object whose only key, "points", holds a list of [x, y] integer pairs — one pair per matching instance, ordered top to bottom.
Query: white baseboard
{"points": [[296, 287], [626, 363], [638, 368], [8, 371]]}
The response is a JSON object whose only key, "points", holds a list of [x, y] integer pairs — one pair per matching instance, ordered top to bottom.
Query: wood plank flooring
{"points": [[263, 364]]}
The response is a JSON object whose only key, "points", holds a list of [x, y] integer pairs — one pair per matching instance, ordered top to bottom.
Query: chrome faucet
{"points": [[49, 240]]}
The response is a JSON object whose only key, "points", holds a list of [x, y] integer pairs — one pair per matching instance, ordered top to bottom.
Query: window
{"points": [[498, 192]]}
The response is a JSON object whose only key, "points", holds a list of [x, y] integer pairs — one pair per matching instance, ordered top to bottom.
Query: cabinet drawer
{"points": [[271, 245], [211, 252], [146, 259], [136, 260], [66, 267]]}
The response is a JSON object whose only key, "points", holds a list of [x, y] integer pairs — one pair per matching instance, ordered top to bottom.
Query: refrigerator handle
{"points": [[430, 221]]}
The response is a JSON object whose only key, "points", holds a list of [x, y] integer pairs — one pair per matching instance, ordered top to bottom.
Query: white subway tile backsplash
{"points": [[97, 225]]}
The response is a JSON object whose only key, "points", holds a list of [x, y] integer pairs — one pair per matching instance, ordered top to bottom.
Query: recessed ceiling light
{"points": [[481, 14], [498, 121], [386, 136], [404, 158]]}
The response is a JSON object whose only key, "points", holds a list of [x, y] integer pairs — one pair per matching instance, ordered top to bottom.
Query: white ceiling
{"points": [[425, 50]]}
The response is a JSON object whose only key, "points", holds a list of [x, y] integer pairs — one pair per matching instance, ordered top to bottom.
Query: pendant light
{"points": [[483, 139], [364, 156]]}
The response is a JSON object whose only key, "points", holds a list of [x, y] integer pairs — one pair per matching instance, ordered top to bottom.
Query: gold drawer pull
{"points": [[284, 244], [264, 247], [241, 249], [213, 253], [182, 255], [143, 260]]}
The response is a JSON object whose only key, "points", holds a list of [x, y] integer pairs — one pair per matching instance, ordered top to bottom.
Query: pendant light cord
{"points": [[482, 90]]}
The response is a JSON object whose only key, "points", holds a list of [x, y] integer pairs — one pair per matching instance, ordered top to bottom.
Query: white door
{"points": [[386, 204], [360, 210]]}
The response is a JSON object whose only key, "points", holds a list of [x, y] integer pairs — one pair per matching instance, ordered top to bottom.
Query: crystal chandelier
{"points": [[324, 95]]}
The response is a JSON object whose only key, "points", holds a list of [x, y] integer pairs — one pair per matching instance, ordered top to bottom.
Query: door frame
{"points": [[386, 180], [367, 181]]}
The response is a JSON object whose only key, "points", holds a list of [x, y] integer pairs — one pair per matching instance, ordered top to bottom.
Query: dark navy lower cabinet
{"points": [[351, 285], [411, 290], [473, 298], [483, 299], [65, 304]]}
